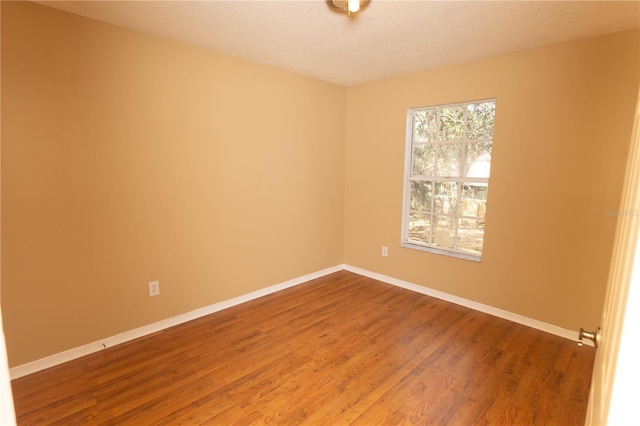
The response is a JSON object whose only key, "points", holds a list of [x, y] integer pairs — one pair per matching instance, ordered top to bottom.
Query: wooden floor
{"points": [[342, 349]]}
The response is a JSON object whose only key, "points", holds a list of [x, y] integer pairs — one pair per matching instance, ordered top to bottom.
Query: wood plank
{"points": [[341, 349]]}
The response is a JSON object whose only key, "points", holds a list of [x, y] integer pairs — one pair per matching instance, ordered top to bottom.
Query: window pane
{"points": [[480, 118], [451, 122], [425, 126], [449, 157], [424, 160], [478, 160], [474, 191], [421, 195], [446, 196], [474, 200], [473, 207], [419, 228], [443, 231], [470, 235]]}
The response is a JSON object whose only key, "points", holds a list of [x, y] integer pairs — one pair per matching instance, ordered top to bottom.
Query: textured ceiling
{"points": [[387, 38]]}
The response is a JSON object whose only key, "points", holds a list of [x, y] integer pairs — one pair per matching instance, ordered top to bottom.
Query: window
{"points": [[447, 178]]}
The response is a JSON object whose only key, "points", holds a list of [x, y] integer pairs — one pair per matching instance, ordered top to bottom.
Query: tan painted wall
{"points": [[563, 122], [127, 158]]}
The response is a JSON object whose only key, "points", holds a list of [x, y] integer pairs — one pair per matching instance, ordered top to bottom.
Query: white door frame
{"points": [[613, 393]]}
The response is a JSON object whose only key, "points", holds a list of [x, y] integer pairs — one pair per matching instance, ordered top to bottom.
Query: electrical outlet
{"points": [[385, 251], [154, 288]]}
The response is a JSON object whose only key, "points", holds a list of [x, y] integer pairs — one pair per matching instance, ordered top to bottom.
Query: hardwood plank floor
{"points": [[342, 349]]}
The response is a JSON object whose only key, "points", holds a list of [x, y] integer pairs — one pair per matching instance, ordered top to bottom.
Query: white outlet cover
{"points": [[154, 288]]}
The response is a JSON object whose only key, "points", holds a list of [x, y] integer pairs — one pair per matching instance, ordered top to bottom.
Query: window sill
{"points": [[434, 250]]}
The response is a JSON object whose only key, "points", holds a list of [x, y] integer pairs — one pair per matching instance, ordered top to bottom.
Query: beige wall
{"points": [[563, 123], [127, 158]]}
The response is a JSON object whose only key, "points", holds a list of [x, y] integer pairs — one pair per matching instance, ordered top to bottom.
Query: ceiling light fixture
{"points": [[347, 6]]}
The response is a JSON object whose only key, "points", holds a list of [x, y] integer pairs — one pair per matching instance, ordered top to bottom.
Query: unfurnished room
{"points": [[319, 212]]}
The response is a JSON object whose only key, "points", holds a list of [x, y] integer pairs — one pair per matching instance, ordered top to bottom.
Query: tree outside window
{"points": [[447, 178]]}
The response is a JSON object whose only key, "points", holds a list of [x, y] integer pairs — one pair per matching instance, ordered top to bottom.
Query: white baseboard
{"points": [[539, 325], [80, 351]]}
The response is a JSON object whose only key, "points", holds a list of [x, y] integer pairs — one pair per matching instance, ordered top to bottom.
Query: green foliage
{"points": [[448, 123]]}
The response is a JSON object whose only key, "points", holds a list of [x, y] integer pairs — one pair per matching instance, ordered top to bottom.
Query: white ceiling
{"points": [[387, 38]]}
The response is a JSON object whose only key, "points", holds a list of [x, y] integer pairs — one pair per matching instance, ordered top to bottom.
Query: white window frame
{"points": [[408, 175]]}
